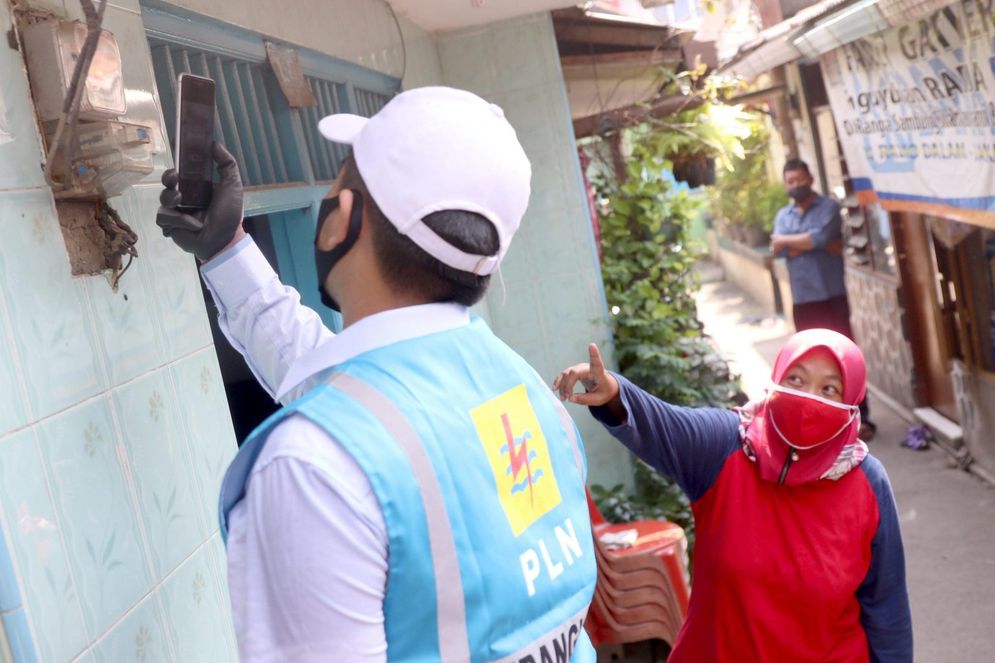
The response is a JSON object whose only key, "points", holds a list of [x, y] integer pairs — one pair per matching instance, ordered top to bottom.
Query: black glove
{"points": [[206, 232]]}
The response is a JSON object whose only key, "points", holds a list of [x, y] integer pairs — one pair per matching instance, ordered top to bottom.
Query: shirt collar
{"points": [[372, 332]]}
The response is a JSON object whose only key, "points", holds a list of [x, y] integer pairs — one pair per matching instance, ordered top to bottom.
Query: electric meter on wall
{"points": [[53, 47], [108, 156]]}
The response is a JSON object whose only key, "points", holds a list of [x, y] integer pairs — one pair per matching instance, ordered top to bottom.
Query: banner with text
{"points": [[915, 113]]}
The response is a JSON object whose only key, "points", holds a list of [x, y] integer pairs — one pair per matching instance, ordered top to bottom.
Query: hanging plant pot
{"points": [[696, 170]]}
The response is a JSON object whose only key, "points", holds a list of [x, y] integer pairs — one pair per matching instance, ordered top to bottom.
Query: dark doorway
{"points": [[248, 402]]}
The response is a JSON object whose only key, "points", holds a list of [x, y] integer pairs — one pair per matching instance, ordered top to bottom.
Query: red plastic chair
{"points": [[642, 591]]}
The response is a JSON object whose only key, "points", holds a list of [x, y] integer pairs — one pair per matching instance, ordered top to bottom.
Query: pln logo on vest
{"points": [[509, 430]]}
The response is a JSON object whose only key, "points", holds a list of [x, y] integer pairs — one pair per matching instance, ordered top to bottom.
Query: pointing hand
{"points": [[601, 387]]}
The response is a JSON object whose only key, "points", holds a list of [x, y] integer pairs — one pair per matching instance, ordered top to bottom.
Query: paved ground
{"points": [[948, 516]]}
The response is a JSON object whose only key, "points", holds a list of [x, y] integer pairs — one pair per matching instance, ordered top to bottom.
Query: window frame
{"points": [[183, 28], [292, 207]]}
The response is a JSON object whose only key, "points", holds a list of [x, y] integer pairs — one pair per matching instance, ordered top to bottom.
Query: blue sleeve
{"points": [[827, 225], [689, 445], [883, 596]]}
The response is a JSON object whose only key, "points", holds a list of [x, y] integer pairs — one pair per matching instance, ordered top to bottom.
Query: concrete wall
{"points": [[359, 31], [803, 126], [746, 268], [548, 302], [876, 319], [974, 392]]}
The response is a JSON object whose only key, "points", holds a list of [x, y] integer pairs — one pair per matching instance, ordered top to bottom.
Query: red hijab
{"points": [[771, 452]]}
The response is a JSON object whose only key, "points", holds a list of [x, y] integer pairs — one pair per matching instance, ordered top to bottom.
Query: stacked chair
{"points": [[642, 591]]}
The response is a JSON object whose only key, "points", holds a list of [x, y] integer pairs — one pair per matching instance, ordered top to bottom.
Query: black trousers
{"points": [[833, 313]]}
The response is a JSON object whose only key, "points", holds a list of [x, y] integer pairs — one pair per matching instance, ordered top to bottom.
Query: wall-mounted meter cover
{"points": [[52, 48], [108, 156]]}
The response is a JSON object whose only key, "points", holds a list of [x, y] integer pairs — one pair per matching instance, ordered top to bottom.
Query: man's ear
{"points": [[336, 227]]}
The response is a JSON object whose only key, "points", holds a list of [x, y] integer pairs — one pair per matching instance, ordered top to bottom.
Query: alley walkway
{"points": [[948, 516]]}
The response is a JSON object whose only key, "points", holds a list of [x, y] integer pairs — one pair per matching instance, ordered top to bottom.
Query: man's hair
{"points": [[796, 164], [407, 267]]}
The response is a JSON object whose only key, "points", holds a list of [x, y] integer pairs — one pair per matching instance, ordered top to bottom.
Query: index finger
{"points": [[597, 364]]}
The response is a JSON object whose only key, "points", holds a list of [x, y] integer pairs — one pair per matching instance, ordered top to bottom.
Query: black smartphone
{"points": [[194, 136]]}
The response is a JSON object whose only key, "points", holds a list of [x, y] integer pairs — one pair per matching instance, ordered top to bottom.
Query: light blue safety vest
{"points": [[478, 470]]}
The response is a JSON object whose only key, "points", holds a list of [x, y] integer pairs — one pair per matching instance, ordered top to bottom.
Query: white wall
{"points": [[359, 31]]}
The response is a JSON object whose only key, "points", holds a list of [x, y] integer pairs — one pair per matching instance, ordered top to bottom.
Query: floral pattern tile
{"points": [[172, 277], [125, 320], [50, 326], [207, 424], [89, 482], [168, 494], [35, 536], [220, 560], [196, 611], [139, 638]]}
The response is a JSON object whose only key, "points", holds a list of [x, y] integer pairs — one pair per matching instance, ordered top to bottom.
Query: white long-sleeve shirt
{"points": [[307, 545]]}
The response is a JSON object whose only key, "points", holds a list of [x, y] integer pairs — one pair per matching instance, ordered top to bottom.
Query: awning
{"points": [[822, 27], [773, 47], [614, 62]]}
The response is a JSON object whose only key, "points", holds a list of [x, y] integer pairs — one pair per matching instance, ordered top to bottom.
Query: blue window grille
{"points": [[246, 120], [274, 144], [326, 157], [286, 164]]}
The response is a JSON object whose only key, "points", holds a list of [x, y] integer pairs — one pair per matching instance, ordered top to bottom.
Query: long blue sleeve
{"points": [[689, 445], [883, 596]]}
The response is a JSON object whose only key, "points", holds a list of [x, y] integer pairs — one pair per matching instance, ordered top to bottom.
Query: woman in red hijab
{"points": [[798, 555]]}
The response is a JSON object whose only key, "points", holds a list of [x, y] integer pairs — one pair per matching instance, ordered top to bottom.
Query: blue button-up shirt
{"points": [[816, 275]]}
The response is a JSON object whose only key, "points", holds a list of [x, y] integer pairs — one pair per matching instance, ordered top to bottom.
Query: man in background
{"points": [[809, 234]]}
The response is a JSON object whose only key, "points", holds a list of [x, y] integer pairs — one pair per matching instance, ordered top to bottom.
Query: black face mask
{"points": [[800, 193], [325, 260]]}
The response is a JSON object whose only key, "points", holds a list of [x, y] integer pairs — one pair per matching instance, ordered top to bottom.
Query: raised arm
{"points": [[263, 319], [690, 445]]}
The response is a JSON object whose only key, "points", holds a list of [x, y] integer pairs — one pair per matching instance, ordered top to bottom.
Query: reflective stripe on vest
{"points": [[451, 607], [451, 610]]}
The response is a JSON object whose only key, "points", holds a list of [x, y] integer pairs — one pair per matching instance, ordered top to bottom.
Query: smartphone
{"points": [[194, 137]]}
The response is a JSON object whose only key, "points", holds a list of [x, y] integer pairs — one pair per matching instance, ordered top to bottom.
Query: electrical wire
{"points": [[404, 47], [74, 95], [121, 241]]}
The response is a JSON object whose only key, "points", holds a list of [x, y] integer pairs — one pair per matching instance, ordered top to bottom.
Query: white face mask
{"points": [[804, 420]]}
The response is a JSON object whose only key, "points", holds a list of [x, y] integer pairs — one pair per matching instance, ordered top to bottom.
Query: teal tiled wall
{"points": [[548, 302], [113, 419]]}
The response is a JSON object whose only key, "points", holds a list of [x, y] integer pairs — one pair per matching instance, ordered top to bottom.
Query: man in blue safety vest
{"points": [[421, 494]]}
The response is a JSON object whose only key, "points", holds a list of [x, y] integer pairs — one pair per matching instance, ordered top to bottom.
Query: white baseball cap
{"points": [[437, 148]]}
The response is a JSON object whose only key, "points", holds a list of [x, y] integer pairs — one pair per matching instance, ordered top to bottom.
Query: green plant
{"points": [[744, 194], [647, 265]]}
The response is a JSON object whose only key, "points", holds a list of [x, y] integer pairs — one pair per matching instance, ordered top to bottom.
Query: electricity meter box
{"points": [[52, 49], [108, 156]]}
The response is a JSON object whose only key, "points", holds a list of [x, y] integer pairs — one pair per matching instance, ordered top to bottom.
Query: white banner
{"points": [[915, 112]]}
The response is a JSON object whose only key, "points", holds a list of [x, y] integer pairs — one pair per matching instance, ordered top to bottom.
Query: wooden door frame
{"points": [[922, 321]]}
